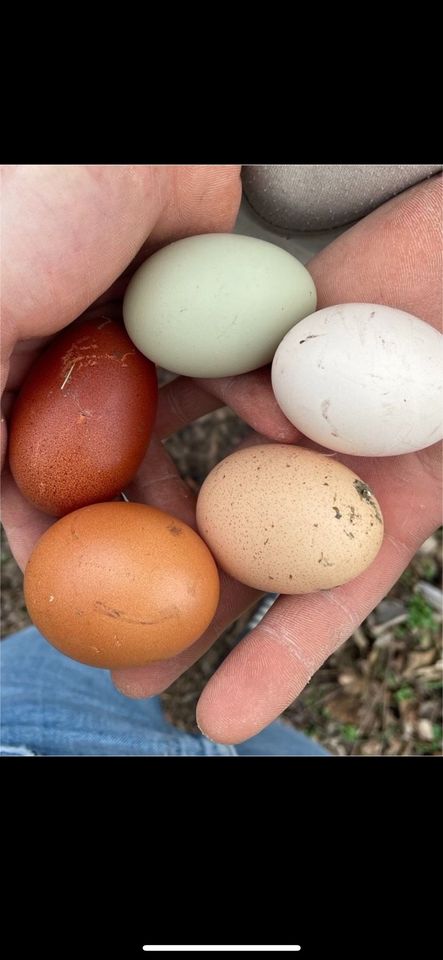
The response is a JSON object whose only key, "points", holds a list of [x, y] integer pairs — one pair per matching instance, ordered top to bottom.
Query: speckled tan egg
{"points": [[83, 419], [288, 520], [121, 584]]}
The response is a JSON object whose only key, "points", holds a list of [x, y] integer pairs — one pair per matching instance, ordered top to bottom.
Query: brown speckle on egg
{"points": [[236, 511]]}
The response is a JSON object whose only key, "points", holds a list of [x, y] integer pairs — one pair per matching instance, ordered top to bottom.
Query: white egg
{"points": [[363, 379]]}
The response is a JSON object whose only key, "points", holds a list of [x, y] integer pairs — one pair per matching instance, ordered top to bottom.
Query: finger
{"points": [[202, 199], [68, 232], [393, 257], [25, 354], [250, 396], [181, 402], [158, 483], [23, 523], [273, 664], [264, 674]]}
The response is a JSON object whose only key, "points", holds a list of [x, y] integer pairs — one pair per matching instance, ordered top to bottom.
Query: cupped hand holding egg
{"points": [[391, 255], [80, 428], [276, 518]]}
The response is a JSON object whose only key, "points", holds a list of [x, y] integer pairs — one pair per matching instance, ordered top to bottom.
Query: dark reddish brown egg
{"points": [[83, 419]]}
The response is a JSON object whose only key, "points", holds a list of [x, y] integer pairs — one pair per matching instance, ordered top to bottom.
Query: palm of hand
{"points": [[273, 664]]}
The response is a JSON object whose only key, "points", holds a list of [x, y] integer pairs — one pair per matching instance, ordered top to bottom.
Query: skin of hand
{"points": [[72, 237], [51, 277]]}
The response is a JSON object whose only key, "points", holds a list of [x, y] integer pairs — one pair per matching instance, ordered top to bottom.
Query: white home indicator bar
{"points": [[269, 949]]}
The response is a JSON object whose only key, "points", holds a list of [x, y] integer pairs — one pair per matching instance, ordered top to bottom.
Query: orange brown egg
{"points": [[120, 585]]}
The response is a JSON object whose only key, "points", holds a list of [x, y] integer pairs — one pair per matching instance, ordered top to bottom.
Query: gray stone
{"points": [[309, 196], [389, 609]]}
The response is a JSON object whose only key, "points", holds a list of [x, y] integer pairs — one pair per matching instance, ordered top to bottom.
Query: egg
{"points": [[216, 305], [363, 379], [83, 419], [288, 520], [120, 585]]}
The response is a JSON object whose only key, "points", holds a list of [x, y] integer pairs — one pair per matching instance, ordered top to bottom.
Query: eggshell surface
{"points": [[216, 305], [363, 379], [83, 419], [285, 519], [121, 584]]}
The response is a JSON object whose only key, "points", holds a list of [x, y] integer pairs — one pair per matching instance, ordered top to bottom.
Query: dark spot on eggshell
{"points": [[312, 336], [324, 409], [366, 494], [303, 555], [323, 560]]}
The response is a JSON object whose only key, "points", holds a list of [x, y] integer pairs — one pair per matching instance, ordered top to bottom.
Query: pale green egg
{"points": [[216, 305]]}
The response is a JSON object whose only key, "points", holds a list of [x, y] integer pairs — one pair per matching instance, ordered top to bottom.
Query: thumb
{"points": [[68, 232]]}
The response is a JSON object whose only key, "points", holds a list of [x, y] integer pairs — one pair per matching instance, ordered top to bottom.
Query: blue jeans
{"points": [[53, 706]]}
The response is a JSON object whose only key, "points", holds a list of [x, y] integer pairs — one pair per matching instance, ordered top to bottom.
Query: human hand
{"points": [[72, 238], [391, 257], [271, 666]]}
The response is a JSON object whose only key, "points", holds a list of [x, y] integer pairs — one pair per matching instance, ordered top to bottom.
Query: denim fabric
{"points": [[53, 706]]}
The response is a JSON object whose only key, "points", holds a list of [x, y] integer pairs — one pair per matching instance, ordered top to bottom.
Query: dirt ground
{"points": [[380, 694]]}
